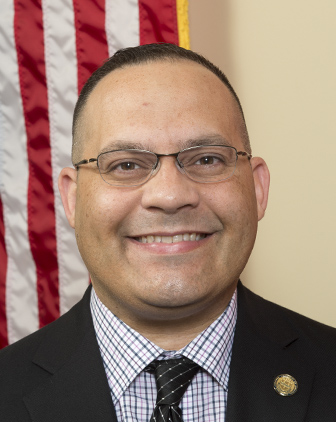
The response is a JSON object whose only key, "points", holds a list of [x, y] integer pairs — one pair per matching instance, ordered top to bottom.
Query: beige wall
{"points": [[281, 58]]}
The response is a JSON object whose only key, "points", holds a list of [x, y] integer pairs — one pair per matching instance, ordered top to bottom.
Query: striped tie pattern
{"points": [[173, 377]]}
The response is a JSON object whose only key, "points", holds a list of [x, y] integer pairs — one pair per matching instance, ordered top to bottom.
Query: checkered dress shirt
{"points": [[126, 354]]}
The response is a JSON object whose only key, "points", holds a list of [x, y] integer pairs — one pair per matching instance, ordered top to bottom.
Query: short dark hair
{"points": [[146, 54]]}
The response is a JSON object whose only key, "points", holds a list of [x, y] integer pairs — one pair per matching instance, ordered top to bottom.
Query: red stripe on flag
{"points": [[158, 21], [28, 29], [91, 42], [3, 275]]}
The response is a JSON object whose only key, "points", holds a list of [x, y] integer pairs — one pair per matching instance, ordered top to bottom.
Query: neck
{"points": [[171, 328], [171, 332], [176, 337]]}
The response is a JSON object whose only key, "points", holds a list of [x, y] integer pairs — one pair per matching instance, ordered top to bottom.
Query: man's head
{"points": [[171, 249]]}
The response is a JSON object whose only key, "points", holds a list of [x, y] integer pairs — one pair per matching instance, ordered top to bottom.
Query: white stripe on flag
{"points": [[121, 24], [61, 70], [21, 295]]}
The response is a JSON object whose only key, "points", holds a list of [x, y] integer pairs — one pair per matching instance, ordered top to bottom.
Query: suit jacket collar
{"points": [[266, 345], [69, 378]]}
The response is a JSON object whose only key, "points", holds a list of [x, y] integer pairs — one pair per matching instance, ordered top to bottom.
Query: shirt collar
{"points": [[126, 353]]}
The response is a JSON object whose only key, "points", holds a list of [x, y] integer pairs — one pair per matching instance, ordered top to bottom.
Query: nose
{"points": [[169, 189]]}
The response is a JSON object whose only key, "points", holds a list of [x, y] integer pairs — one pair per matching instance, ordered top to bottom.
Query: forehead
{"points": [[162, 103]]}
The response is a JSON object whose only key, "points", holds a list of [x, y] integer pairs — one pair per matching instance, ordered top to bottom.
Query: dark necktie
{"points": [[173, 377]]}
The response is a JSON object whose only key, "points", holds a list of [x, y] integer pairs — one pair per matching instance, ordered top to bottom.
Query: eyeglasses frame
{"points": [[158, 156]]}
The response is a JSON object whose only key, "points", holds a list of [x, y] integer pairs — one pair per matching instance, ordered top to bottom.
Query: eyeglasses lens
{"points": [[208, 164], [126, 167]]}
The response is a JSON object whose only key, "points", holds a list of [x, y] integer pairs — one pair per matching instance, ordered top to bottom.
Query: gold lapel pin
{"points": [[285, 385]]}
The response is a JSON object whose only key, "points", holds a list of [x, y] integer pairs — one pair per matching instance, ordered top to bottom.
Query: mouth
{"points": [[182, 237]]}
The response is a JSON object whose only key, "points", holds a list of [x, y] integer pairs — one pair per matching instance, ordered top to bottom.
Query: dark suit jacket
{"points": [[57, 375]]}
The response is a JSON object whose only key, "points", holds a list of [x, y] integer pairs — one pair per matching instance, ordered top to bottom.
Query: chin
{"points": [[172, 295]]}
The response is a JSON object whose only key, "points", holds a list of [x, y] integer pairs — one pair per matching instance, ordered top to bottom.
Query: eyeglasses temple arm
{"points": [[244, 154], [90, 160]]}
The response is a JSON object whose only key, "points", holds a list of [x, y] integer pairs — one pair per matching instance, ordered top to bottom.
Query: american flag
{"points": [[48, 49]]}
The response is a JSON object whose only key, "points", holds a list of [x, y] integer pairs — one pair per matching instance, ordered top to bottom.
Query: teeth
{"points": [[185, 237], [177, 238], [167, 239]]}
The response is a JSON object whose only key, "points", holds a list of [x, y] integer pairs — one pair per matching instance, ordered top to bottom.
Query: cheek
{"points": [[233, 200], [236, 209], [102, 210], [100, 214]]}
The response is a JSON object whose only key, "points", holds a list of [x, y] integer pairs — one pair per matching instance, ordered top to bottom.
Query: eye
{"points": [[207, 160], [122, 166], [126, 166]]}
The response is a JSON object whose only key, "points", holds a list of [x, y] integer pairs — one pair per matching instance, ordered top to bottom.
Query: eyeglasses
{"points": [[133, 167]]}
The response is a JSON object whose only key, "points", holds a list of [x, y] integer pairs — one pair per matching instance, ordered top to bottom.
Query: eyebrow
{"points": [[201, 140], [205, 140], [117, 145]]}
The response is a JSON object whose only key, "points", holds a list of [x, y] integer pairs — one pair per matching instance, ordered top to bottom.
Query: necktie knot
{"points": [[173, 377]]}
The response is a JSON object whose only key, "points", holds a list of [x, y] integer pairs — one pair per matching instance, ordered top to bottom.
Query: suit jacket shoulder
{"points": [[271, 341], [56, 373]]}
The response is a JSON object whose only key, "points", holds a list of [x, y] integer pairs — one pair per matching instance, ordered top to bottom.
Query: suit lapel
{"points": [[265, 346], [68, 374]]}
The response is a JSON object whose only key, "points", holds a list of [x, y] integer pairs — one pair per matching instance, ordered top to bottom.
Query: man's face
{"points": [[164, 107]]}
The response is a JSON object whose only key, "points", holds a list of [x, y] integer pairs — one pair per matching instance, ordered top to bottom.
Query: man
{"points": [[165, 198]]}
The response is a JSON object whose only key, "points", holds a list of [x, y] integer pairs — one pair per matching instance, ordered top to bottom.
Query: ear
{"points": [[261, 178], [67, 185]]}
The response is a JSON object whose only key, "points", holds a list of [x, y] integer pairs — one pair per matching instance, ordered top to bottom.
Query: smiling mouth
{"points": [[183, 237]]}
